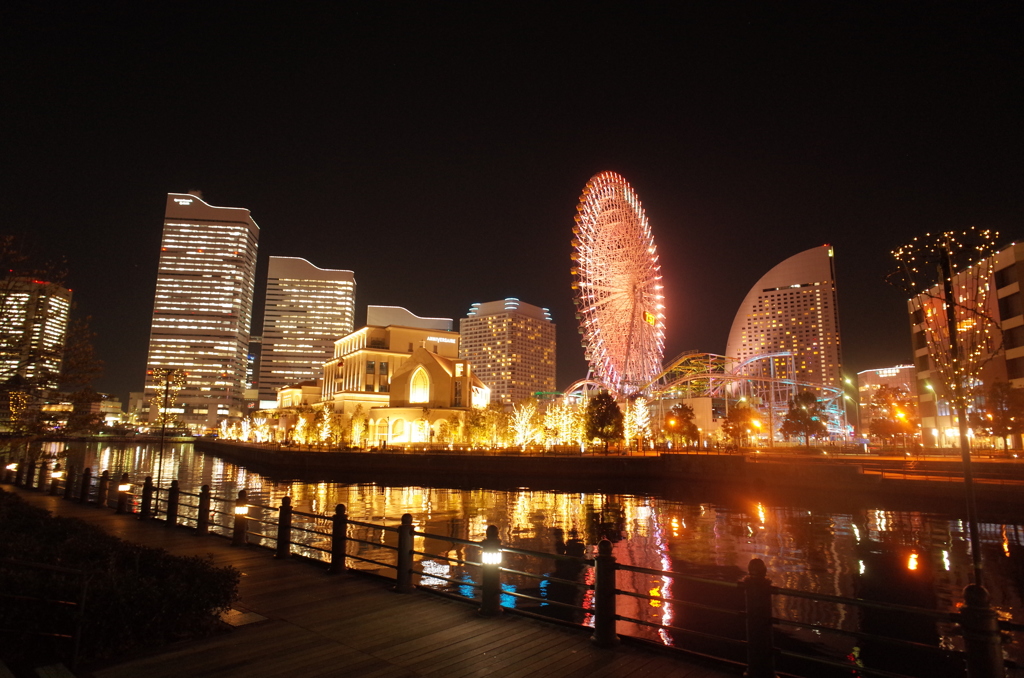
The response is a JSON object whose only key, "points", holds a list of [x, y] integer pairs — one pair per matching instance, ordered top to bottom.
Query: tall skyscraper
{"points": [[203, 309], [308, 309], [788, 325], [33, 327], [511, 346]]}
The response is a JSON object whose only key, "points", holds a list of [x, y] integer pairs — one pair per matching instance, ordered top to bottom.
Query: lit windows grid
{"points": [[202, 312]]}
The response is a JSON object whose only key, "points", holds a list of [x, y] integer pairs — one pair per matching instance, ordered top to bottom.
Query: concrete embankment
{"points": [[677, 476]]}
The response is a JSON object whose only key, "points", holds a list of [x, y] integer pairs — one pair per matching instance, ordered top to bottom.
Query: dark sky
{"points": [[439, 149]]}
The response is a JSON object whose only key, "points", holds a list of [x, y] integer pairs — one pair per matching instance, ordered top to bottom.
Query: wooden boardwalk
{"points": [[303, 622]]}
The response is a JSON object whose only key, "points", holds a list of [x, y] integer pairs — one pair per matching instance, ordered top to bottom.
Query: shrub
{"points": [[135, 596]]}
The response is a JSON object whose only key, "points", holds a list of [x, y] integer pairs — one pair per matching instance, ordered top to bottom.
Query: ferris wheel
{"points": [[617, 283]]}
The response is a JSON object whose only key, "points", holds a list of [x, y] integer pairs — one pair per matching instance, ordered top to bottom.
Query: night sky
{"points": [[438, 149]]}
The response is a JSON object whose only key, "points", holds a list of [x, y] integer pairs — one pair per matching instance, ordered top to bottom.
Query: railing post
{"points": [[44, 472], [30, 474], [55, 480], [69, 482], [103, 489], [122, 494], [83, 495], [173, 497], [146, 507], [203, 511], [284, 529], [239, 536], [339, 540], [403, 573], [490, 573], [757, 589], [605, 612], [981, 635]]}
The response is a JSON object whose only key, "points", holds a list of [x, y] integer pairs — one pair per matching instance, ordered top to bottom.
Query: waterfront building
{"points": [[307, 309], [203, 310], [788, 323], [33, 329], [511, 346], [1001, 347], [364, 361], [901, 377]]}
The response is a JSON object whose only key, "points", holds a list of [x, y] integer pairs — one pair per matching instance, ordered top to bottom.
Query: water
{"points": [[910, 557]]}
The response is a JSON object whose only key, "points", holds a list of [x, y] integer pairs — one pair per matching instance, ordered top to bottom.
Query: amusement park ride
{"points": [[619, 304]]}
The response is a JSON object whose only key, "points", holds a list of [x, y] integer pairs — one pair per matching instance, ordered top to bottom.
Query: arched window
{"points": [[419, 387], [382, 430], [397, 431]]}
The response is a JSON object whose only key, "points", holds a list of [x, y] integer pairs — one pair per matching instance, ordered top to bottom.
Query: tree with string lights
{"points": [[949, 276]]}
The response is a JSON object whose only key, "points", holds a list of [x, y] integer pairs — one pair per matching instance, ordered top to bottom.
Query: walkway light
{"points": [[12, 467], [56, 474], [123, 487], [242, 510], [490, 557]]}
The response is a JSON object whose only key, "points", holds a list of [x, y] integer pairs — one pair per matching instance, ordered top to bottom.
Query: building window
{"points": [[1006, 276], [1010, 306], [1014, 337], [370, 367], [1015, 368], [383, 369], [419, 387], [457, 400]]}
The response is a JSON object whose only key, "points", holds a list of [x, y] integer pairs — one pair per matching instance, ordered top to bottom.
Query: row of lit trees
{"points": [[600, 421]]}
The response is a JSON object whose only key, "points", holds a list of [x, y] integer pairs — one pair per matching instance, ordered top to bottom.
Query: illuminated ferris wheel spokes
{"points": [[617, 280]]}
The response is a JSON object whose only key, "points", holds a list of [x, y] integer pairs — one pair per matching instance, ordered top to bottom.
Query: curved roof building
{"points": [[792, 315]]}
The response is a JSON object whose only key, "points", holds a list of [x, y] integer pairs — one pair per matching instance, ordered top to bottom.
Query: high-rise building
{"points": [[307, 309], [203, 310], [788, 324], [33, 327], [996, 336], [511, 346]]}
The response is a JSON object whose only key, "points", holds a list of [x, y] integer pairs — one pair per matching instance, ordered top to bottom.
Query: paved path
{"points": [[307, 623]]}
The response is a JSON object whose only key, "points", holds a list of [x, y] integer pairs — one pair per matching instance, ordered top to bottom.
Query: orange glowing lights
{"points": [[912, 563]]}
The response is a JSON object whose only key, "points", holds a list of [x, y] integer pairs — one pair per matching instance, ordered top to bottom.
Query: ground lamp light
{"points": [[55, 475], [122, 493], [240, 535], [490, 560]]}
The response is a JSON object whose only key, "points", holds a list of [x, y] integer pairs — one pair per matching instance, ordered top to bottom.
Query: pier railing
{"points": [[741, 622]]}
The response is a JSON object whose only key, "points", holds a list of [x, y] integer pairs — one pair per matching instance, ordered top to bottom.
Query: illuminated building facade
{"points": [[203, 309], [307, 309], [788, 324], [33, 327], [511, 346], [1001, 346], [365, 361], [900, 377]]}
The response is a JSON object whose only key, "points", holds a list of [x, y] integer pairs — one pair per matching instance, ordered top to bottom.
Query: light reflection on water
{"points": [[865, 554]]}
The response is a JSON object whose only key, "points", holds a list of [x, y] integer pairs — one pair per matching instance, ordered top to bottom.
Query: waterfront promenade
{"points": [[293, 619]]}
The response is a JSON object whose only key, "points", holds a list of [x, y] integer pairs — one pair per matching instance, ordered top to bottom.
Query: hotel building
{"points": [[203, 309], [307, 309], [788, 324], [33, 327], [1001, 342], [511, 346]]}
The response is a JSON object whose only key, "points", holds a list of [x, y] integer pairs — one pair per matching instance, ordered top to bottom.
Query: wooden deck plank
{"points": [[351, 625]]}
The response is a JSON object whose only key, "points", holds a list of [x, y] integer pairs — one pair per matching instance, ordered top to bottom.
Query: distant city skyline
{"points": [[438, 151]]}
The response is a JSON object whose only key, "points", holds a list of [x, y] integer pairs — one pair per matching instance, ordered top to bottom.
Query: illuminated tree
{"points": [[169, 383], [893, 413], [1002, 414], [805, 417], [604, 419], [636, 422], [525, 423], [564, 423], [739, 423], [359, 427]]}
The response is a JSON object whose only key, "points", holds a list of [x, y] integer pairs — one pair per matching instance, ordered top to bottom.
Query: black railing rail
{"points": [[311, 536]]}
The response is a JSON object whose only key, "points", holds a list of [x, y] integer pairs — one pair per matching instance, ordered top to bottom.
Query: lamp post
{"points": [[856, 413]]}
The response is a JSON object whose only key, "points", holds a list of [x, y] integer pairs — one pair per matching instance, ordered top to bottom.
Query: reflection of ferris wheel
{"points": [[618, 285]]}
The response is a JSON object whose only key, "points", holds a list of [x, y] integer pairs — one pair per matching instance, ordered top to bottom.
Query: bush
{"points": [[135, 596]]}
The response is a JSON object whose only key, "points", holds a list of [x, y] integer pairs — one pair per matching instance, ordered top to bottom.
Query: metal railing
{"points": [[580, 591]]}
